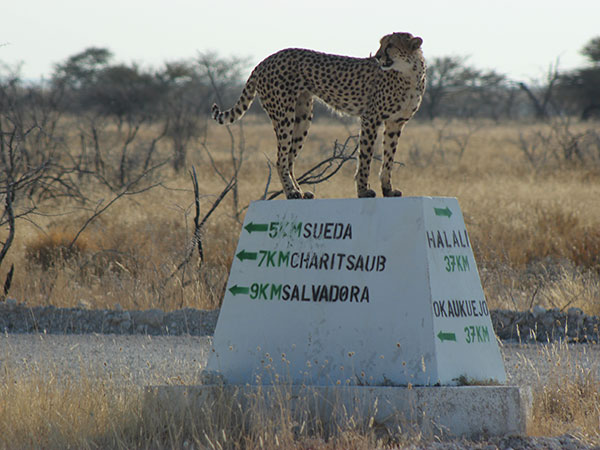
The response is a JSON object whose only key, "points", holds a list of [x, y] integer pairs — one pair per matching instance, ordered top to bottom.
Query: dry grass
{"points": [[533, 220], [567, 397], [47, 410], [84, 410], [40, 411]]}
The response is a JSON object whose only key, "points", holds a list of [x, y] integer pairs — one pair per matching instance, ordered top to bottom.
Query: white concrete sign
{"points": [[355, 292]]}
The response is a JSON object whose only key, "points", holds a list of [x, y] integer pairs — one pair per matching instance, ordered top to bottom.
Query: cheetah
{"points": [[383, 89]]}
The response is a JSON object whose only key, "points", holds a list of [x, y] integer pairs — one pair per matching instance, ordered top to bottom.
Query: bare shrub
{"points": [[451, 140], [559, 142], [32, 167], [54, 249]]}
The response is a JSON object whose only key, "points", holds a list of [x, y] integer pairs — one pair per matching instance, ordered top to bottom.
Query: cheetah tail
{"points": [[240, 108]]}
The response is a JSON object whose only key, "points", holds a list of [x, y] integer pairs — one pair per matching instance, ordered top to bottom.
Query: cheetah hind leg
{"points": [[302, 122], [283, 130]]}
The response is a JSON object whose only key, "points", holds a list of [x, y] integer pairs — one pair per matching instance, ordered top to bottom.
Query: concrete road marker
{"points": [[363, 301]]}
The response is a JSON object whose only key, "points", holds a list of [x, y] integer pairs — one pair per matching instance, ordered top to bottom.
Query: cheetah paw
{"points": [[368, 193], [392, 193], [294, 195]]}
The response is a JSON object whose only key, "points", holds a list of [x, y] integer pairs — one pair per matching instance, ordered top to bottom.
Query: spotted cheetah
{"points": [[386, 88]]}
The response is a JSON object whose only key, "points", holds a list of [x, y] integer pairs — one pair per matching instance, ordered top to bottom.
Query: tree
{"points": [[592, 50], [82, 69], [223, 75], [444, 76], [582, 86], [456, 89], [118, 90], [99, 93], [126, 93], [491, 95], [542, 95], [183, 105], [31, 164]]}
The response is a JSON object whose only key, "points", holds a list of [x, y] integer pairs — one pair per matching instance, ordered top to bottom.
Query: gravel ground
{"points": [[144, 346], [140, 348], [130, 359], [145, 359]]}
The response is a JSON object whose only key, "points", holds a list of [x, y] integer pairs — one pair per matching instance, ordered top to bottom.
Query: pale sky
{"points": [[520, 38]]}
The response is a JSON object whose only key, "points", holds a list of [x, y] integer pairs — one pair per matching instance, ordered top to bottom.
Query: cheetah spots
{"points": [[286, 82]]}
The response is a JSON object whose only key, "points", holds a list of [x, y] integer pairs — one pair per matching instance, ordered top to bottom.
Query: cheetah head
{"points": [[396, 50]]}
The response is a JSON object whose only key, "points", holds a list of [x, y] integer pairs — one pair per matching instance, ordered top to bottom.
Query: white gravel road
{"points": [[130, 359], [149, 360]]}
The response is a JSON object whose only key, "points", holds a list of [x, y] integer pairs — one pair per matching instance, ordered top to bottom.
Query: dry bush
{"points": [[526, 223], [57, 248], [128, 256]]}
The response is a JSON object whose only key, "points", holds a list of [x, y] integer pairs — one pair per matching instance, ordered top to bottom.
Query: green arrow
{"points": [[443, 212], [256, 227], [246, 255], [235, 290], [446, 336]]}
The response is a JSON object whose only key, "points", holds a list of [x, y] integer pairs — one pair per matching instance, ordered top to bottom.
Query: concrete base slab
{"points": [[465, 411]]}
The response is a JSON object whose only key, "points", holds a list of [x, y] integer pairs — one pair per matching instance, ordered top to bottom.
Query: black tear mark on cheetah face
{"points": [[396, 46]]}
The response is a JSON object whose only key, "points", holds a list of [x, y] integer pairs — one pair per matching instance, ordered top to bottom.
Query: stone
{"points": [[10, 304], [538, 311], [151, 318]]}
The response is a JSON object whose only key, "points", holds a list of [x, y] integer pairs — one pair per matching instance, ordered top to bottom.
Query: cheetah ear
{"points": [[416, 43]]}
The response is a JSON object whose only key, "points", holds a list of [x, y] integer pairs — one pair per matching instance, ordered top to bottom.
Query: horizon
{"points": [[532, 36]]}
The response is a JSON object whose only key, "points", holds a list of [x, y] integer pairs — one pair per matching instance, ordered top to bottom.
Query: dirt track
{"points": [[137, 359], [144, 360]]}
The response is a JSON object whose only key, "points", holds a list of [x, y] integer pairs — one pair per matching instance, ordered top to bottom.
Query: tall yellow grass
{"points": [[534, 222], [567, 397]]}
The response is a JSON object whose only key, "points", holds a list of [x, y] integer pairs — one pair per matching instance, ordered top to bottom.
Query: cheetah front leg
{"points": [[392, 132], [368, 135]]}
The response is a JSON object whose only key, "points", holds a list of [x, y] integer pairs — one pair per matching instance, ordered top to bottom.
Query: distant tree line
{"points": [[455, 89], [177, 93]]}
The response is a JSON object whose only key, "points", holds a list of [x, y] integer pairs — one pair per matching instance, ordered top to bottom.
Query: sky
{"points": [[519, 38]]}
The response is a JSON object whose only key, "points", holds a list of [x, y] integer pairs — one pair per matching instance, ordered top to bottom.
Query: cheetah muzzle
{"points": [[385, 89]]}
